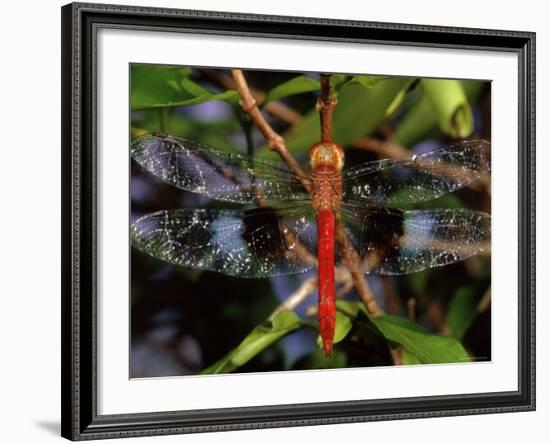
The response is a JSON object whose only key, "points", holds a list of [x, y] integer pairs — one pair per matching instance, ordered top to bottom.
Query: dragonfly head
{"points": [[326, 154]]}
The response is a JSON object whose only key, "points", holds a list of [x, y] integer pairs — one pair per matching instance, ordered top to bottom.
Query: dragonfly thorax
{"points": [[326, 154], [326, 160], [326, 193]]}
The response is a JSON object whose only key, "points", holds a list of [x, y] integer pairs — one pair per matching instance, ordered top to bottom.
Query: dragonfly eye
{"points": [[326, 154]]}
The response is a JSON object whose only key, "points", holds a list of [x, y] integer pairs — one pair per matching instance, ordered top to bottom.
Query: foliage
{"points": [[296, 85], [160, 86], [261, 337], [424, 346]]}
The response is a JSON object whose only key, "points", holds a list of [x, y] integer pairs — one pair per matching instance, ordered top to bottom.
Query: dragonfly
{"points": [[287, 223]]}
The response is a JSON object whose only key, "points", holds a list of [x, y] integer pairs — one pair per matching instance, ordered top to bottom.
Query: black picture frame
{"points": [[79, 385]]}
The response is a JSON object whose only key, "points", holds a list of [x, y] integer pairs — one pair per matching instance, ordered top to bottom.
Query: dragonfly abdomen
{"points": [[326, 285]]}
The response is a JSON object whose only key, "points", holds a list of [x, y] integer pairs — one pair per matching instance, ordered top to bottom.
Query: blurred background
{"points": [[184, 321]]}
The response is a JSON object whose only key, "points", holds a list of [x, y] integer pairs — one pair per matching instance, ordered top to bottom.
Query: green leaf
{"points": [[339, 80], [369, 81], [372, 81], [151, 83], [296, 85], [165, 86], [192, 88], [227, 96], [359, 111], [453, 112], [421, 119], [417, 123], [349, 308], [462, 311], [341, 330], [258, 339], [427, 347], [408, 359]]}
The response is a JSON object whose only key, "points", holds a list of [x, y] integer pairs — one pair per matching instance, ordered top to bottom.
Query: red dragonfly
{"points": [[294, 229]]}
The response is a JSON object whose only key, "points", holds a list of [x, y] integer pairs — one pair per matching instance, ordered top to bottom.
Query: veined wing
{"points": [[214, 173], [423, 177], [391, 241], [253, 243]]}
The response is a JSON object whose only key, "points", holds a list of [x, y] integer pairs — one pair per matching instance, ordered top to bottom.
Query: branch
{"points": [[325, 105], [274, 140], [353, 262], [342, 276], [346, 287], [297, 297], [485, 301], [396, 355]]}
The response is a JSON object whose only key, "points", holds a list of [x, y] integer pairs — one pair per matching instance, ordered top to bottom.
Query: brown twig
{"points": [[325, 105], [274, 140], [353, 262], [307, 287], [346, 287], [296, 298], [485, 301], [396, 355]]}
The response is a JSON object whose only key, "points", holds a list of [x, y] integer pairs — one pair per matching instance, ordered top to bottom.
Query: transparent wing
{"points": [[214, 173], [423, 177], [391, 241], [253, 243]]}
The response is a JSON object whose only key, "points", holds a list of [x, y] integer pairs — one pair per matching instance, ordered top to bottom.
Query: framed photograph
{"points": [[278, 221]]}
